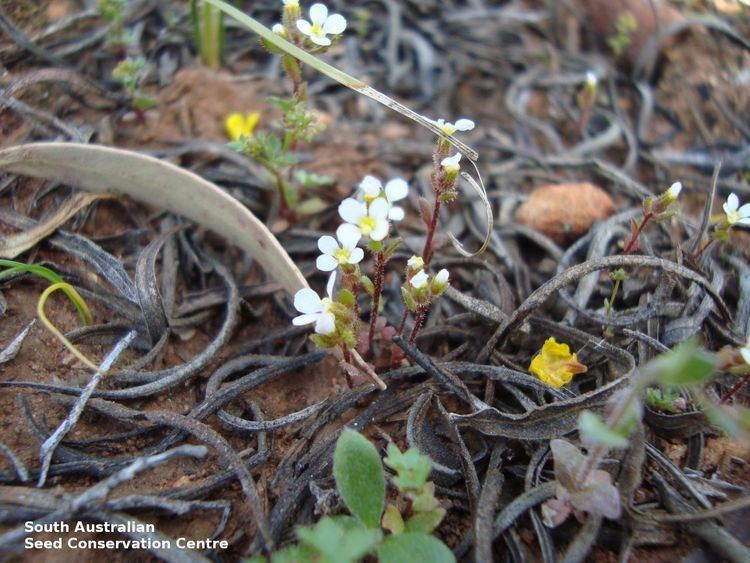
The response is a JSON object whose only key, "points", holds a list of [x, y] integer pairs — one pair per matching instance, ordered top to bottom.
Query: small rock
{"points": [[564, 212]]}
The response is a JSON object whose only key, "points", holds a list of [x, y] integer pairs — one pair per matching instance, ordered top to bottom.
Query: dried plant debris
{"points": [[285, 341]]}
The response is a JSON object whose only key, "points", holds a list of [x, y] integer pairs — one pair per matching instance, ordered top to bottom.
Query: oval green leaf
{"points": [[359, 477], [414, 547]]}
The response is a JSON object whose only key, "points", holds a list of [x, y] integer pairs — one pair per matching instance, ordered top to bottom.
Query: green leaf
{"points": [[311, 180], [311, 206], [50, 276], [686, 364], [662, 400], [594, 431], [412, 467], [359, 477], [392, 520], [425, 522], [339, 540], [414, 547], [295, 554]]}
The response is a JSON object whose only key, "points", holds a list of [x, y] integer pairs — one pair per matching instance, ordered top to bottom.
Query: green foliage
{"points": [[112, 12], [625, 25], [208, 32], [129, 72], [311, 180], [14, 267], [686, 364], [662, 399], [593, 430], [411, 466], [359, 477], [360, 480], [340, 539], [414, 547]]}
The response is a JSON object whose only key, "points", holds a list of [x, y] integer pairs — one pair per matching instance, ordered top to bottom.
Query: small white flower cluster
{"points": [[318, 28], [367, 216], [421, 289]]}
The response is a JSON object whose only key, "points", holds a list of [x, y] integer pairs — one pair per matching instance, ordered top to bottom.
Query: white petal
{"points": [[318, 13], [335, 24], [304, 27], [278, 29], [321, 40], [464, 125], [451, 162], [371, 186], [396, 189], [675, 189], [733, 202], [379, 209], [352, 210], [744, 211], [395, 213], [744, 221], [381, 229], [349, 235], [327, 244], [356, 256], [326, 263], [442, 276], [419, 279], [331, 283], [307, 301], [305, 319], [325, 324], [746, 354]]}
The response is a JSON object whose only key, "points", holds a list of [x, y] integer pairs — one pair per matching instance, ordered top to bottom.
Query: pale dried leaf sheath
{"points": [[161, 184], [14, 245]]}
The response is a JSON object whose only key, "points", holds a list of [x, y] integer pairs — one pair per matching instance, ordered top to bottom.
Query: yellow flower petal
{"points": [[235, 126], [555, 365]]}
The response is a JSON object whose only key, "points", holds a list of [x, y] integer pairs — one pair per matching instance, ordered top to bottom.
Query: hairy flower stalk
{"points": [[379, 274]]}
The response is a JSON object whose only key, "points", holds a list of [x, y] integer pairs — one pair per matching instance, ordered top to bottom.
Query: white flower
{"points": [[290, 2], [321, 24], [278, 29], [591, 79], [450, 128], [450, 163], [675, 189], [395, 190], [736, 215], [364, 220], [335, 255], [415, 263], [442, 276], [419, 280], [316, 310], [745, 352]]}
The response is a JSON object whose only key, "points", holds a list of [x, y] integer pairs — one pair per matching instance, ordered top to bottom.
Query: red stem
{"points": [[633, 240], [703, 248], [427, 252], [379, 271], [418, 322], [736, 387]]}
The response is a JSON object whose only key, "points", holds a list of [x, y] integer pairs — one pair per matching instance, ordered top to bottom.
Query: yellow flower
{"points": [[238, 125], [555, 365]]}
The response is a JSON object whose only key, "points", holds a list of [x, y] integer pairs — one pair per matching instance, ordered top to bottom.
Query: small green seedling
{"points": [[113, 13], [625, 25], [208, 31], [129, 73], [393, 532]]}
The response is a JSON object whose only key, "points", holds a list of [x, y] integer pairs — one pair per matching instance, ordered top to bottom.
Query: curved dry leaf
{"points": [[159, 183], [482, 193], [12, 246]]}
